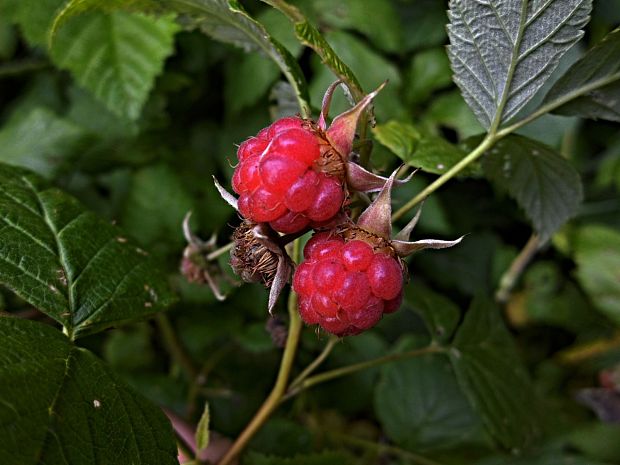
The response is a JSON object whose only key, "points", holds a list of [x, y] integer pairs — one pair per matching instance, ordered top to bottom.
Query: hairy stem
{"points": [[221, 251], [512, 274], [174, 347], [347, 370], [273, 400]]}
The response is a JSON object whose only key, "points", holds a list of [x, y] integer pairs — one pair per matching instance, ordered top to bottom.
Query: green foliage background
{"points": [[132, 114]]}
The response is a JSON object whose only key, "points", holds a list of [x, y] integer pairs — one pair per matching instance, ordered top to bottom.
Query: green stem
{"points": [[17, 68], [486, 143], [221, 251], [510, 277], [174, 347], [316, 362], [347, 370], [273, 400], [382, 448]]}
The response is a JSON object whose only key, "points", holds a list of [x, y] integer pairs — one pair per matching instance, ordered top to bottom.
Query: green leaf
{"points": [[33, 16], [425, 23], [382, 26], [503, 51], [116, 56], [429, 71], [592, 85], [237, 91], [449, 110], [41, 141], [431, 153], [543, 182], [157, 203], [597, 253], [69, 263], [440, 314], [490, 372], [61, 404], [420, 404], [202, 430], [324, 458]]}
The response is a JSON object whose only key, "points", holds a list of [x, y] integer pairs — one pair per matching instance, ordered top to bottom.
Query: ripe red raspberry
{"points": [[280, 181], [347, 285]]}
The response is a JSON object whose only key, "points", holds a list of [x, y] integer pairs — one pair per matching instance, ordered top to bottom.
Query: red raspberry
{"points": [[279, 180], [345, 285]]}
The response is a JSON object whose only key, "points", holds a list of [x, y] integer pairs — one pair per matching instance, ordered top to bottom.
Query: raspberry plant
{"points": [[126, 338]]}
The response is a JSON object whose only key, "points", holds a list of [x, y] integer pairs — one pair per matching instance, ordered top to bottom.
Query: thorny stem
{"points": [[512, 274], [174, 347], [288, 357], [346, 370]]}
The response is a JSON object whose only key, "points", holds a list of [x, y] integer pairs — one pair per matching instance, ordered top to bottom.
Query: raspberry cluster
{"points": [[279, 180], [346, 286]]}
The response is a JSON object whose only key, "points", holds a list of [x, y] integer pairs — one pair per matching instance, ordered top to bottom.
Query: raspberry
{"points": [[279, 180], [346, 285]]}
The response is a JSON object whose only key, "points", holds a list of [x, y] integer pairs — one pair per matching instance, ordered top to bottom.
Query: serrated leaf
{"points": [[503, 51], [116, 56], [592, 85], [41, 141], [430, 153], [543, 182], [597, 253], [67, 262], [490, 372], [61, 404], [421, 406], [202, 430]]}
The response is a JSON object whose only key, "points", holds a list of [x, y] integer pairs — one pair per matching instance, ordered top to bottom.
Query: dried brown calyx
{"points": [[258, 255]]}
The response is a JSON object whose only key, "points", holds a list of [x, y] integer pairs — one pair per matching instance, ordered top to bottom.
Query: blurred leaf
{"points": [[33, 16], [376, 19], [425, 23], [280, 29], [8, 39], [503, 52], [116, 56], [372, 69], [429, 71], [592, 84], [238, 92], [449, 110], [41, 141], [431, 153], [544, 183], [154, 210], [597, 253], [69, 263], [440, 314], [255, 338], [129, 349], [490, 372], [420, 405], [81, 414], [202, 430], [282, 437], [324, 458], [545, 458]]}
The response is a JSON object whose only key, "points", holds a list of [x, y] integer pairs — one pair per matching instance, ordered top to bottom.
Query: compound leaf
{"points": [[503, 51], [591, 86], [543, 182], [69, 263], [61, 404]]}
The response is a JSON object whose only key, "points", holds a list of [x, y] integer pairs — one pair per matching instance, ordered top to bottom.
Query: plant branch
{"points": [[486, 143], [221, 251], [512, 274], [331, 342], [174, 347], [347, 370], [273, 400], [381, 448]]}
